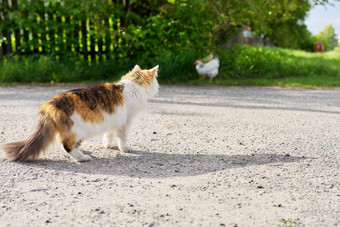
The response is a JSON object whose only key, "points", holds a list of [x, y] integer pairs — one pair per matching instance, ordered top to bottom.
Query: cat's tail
{"points": [[34, 145]]}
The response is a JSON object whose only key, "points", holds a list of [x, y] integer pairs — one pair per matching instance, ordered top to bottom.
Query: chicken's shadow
{"points": [[161, 165]]}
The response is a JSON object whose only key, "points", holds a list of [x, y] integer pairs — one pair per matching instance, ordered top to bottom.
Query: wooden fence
{"points": [[54, 27]]}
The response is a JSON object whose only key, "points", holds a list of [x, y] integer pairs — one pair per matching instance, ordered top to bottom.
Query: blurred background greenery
{"points": [[56, 41]]}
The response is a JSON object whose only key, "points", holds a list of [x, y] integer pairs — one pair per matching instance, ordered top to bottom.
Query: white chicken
{"points": [[209, 69]]}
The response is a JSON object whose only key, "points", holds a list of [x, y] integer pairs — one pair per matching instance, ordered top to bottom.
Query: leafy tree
{"points": [[281, 21], [291, 32], [329, 36]]}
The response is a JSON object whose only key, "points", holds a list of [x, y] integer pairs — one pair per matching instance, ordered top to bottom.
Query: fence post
{"points": [[16, 29], [51, 33], [68, 34], [42, 35], [76, 35], [35, 38], [84, 38], [107, 38], [92, 41], [59, 42], [100, 43], [7, 44]]}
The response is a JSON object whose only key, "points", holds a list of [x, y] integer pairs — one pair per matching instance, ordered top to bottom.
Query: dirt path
{"points": [[204, 156]]}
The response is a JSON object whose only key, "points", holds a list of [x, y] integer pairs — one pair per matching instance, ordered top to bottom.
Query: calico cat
{"points": [[82, 113]]}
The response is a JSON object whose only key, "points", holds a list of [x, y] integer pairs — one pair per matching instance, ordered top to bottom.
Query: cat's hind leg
{"points": [[108, 139], [71, 146]]}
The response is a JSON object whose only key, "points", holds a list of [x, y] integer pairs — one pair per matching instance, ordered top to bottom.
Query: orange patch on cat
{"points": [[141, 77], [90, 103], [93, 115]]}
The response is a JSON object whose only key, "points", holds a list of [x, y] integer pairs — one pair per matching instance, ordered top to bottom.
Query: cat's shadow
{"points": [[163, 165]]}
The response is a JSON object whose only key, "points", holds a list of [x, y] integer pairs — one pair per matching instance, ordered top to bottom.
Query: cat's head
{"points": [[144, 77]]}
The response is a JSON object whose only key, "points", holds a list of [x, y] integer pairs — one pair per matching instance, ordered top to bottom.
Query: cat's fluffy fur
{"points": [[82, 113]]}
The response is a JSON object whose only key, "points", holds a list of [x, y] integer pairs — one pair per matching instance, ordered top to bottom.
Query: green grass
{"points": [[240, 66], [258, 66]]}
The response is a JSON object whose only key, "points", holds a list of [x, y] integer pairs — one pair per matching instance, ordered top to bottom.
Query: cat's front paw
{"points": [[125, 148], [80, 156], [85, 158]]}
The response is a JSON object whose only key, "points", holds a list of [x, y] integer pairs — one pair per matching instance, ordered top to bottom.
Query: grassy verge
{"points": [[240, 66], [247, 66]]}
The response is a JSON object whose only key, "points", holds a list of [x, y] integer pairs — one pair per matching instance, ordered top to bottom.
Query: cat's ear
{"points": [[136, 68], [154, 70]]}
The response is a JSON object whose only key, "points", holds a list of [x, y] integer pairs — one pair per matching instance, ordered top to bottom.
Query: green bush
{"points": [[174, 67]]}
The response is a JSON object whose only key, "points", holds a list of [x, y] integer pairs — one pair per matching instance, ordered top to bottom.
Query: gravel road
{"points": [[204, 156]]}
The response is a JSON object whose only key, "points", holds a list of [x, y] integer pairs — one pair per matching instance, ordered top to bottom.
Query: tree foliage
{"points": [[131, 28], [328, 36]]}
